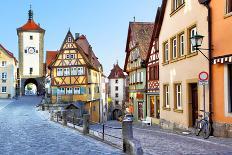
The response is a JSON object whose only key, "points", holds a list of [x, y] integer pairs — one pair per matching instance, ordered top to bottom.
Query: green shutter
{"points": [[82, 90], [54, 91]]}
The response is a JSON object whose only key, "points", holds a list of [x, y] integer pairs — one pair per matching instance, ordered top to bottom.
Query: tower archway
{"points": [[30, 87]]}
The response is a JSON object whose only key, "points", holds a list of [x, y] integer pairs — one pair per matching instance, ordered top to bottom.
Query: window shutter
{"points": [[82, 90], [54, 91]]}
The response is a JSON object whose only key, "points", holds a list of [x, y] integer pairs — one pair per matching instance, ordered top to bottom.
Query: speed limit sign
{"points": [[203, 78]]}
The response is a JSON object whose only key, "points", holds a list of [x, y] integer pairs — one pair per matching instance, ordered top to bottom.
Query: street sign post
{"points": [[203, 80]]}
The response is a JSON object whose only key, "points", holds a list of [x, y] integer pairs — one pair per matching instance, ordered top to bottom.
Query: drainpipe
{"points": [[206, 3]]}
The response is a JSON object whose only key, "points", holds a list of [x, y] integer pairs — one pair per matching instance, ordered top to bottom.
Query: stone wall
{"points": [[222, 130]]}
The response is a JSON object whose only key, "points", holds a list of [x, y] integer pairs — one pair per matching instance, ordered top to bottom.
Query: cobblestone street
{"points": [[23, 130], [157, 141]]}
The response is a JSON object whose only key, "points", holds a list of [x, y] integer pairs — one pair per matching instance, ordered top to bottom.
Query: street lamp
{"points": [[196, 42]]}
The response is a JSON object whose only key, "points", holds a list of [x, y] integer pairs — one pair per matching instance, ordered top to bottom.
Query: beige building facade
{"points": [[8, 73], [181, 96]]}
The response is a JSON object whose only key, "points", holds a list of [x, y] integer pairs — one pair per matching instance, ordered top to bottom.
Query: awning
{"points": [[223, 59]]}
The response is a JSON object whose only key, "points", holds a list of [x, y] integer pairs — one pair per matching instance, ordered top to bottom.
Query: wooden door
{"points": [[194, 103], [140, 110]]}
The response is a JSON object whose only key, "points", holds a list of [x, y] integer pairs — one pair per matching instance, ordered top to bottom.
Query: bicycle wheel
{"points": [[197, 128], [206, 130]]}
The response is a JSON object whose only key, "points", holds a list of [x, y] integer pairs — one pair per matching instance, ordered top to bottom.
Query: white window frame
{"points": [[193, 32], [182, 44], [174, 48], [166, 54], [67, 56], [72, 56], [80, 70], [66, 71], [73, 71], [59, 72], [4, 75], [138, 77], [141, 77], [4, 89], [77, 90], [61, 91], [69, 91], [178, 96], [167, 98]]}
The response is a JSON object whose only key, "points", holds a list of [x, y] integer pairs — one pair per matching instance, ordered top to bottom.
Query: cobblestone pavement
{"points": [[4, 103], [24, 131], [157, 141]]}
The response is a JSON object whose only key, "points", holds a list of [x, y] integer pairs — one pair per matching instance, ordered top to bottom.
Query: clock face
{"points": [[31, 50]]}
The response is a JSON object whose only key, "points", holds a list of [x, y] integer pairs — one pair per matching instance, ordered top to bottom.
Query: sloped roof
{"points": [[30, 26], [141, 34], [85, 46], [11, 55], [50, 57], [116, 72]]}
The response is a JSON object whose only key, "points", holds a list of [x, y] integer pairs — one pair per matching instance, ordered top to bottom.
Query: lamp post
{"points": [[196, 42]]}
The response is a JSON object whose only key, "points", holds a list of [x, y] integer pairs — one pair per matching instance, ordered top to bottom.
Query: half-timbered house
{"points": [[138, 41], [76, 75], [153, 100]]}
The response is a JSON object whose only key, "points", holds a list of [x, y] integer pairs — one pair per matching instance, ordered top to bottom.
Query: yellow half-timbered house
{"points": [[76, 75]]}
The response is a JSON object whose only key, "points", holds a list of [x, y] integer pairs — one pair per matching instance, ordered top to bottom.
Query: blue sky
{"points": [[104, 22]]}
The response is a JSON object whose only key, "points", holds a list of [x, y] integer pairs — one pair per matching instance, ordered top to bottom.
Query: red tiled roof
{"points": [[30, 25], [84, 44], [11, 55], [50, 57], [116, 72]]}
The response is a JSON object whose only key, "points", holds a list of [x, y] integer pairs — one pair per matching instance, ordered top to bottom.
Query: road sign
{"points": [[203, 78]]}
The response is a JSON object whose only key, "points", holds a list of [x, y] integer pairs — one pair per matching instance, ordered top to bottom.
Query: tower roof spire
{"points": [[30, 14]]}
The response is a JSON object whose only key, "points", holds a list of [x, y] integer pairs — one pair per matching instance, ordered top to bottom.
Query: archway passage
{"points": [[30, 87]]}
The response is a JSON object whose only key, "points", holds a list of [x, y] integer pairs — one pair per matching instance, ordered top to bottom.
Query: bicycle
{"points": [[203, 125]]}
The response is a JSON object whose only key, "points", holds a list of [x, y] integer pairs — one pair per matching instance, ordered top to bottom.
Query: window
{"points": [[176, 4], [228, 6], [193, 32], [31, 37], [69, 39], [181, 46], [174, 48], [25, 51], [166, 52], [67, 56], [72, 56], [3, 63], [31, 70], [80, 70], [66, 71], [73, 71], [59, 72], [4, 75], [141, 76], [138, 77], [116, 81], [116, 88], [230, 88], [4, 89], [77, 90], [89, 90], [61, 91], [68, 91], [116, 94], [166, 96], [178, 96], [116, 103]]}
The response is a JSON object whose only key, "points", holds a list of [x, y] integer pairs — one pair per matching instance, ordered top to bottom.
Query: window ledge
{"points": [[175, 11], [227, 15], [192, 54], [182, 57], [174, 60], [165, 63], [166, 108], [178, 110]]}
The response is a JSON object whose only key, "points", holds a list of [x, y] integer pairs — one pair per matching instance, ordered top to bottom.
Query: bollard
{"points": [[64, 118], [86, 124], [130, 145]]}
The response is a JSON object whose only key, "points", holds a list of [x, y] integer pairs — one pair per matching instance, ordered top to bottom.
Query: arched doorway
{"points": [[30, 87], [116, 114]]}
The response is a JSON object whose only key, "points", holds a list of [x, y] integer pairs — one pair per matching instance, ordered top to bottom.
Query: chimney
{"points": [[77, 35]]}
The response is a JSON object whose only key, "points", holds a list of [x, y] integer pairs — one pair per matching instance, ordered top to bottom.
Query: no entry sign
{"points": [[203, 78]]}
